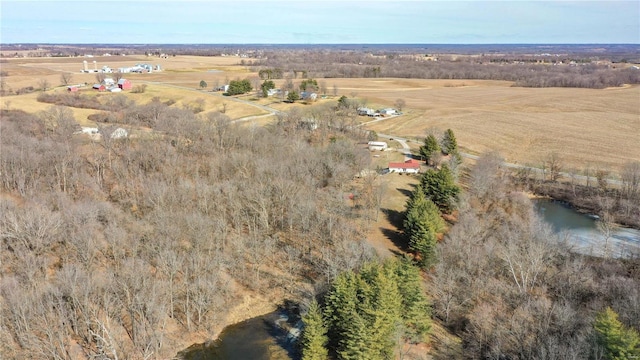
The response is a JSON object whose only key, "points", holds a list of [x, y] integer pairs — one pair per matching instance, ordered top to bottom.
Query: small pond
{"points": [[581, 231], [272, 336], [267, 337]]}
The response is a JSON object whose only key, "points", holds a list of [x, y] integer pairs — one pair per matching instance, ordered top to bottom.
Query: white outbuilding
{"points": [[377, 145]]}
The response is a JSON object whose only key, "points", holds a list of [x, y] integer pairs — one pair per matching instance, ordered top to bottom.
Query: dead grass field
{"points": [[180, 71], [596, 128], [599, 128]]}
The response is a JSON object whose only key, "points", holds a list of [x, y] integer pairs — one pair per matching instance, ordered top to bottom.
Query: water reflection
{"points": [[582, 234], [267, 337]]}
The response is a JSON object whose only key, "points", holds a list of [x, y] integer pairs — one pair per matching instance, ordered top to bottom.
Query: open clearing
{"points": [[587, 127]]}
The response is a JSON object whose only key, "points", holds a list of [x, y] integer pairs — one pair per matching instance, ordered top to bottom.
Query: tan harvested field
{"points": [[179, 70], [179, 81], [588, 127], [596, 128]]}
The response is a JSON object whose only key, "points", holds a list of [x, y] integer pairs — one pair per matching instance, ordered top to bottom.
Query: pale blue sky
{"points": [[319, 22]]}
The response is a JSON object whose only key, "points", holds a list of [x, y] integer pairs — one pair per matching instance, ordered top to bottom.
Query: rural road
{"points": [[271, 111], [406, 150], [407, 154]]}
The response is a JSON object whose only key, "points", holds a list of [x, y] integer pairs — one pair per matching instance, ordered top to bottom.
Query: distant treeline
{"points": [[616, 52], [330, 64]]}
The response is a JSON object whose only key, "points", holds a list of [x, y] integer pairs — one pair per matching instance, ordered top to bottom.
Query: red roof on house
{"points": [[409, 164]]}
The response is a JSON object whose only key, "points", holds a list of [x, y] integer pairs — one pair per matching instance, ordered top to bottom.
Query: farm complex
{"points": [[588, 126], [362, 201]]}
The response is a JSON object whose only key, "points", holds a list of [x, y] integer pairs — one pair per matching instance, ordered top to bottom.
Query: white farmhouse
{"points": [[388, 111]]}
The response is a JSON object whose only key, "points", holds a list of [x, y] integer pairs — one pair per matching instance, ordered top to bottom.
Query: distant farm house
{"points": [[124, 84], [99, 87], [73, 88], [272, 92], [311, 96], [363, 111], [388, 111], [89, 130], [119, 133], [377, 145], [410, 166]]}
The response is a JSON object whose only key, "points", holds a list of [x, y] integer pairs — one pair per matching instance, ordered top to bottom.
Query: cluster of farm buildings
{"points": [[137, 68], [108, 84], [364, 111], [95, 133], [410, 166]]}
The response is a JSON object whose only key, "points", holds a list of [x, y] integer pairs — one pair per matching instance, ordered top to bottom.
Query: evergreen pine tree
{"points": [[449, 142], [430, 148], [440, 187], [417, 193], [421, 209], [422, 222], [423, 241], [341, 304], [416, 309], [365, 311], [386, 315], [314, 336], [356, 340], [618, 342]]}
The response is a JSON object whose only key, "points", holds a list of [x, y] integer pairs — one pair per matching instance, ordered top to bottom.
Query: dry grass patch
{"points": [[183, 97], [29, 103], [385, 234]]}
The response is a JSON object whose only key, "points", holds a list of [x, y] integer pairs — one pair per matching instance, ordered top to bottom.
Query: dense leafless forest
{"points": [[580, 66], [523, 70], [117, 248], [125, 248], [507, 285]]}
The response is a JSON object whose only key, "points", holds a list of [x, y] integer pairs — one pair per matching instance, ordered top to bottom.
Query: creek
{"points": [[582, 234], [271, 336], [266, 337]]}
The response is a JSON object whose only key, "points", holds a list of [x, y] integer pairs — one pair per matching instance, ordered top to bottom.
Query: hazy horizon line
{"points": [[302, 44]]}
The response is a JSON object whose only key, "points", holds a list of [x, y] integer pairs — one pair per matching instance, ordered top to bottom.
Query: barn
{"points": [[124, 84], [99, 87], [72, 88]]}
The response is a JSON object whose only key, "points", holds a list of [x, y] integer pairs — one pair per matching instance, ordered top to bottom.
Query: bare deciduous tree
{"points": [[66, 78], [44, 84], [553, 165], [631, 179]]}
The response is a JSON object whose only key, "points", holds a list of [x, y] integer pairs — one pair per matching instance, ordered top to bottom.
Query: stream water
{"points": [[581, 231], [267, 337], [270, 337]]}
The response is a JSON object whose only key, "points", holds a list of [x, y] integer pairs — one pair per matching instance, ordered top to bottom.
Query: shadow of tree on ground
{"points": [[396, 219]]}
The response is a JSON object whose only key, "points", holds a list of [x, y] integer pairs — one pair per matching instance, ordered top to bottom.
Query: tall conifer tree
{"points": [[314, 337]]}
